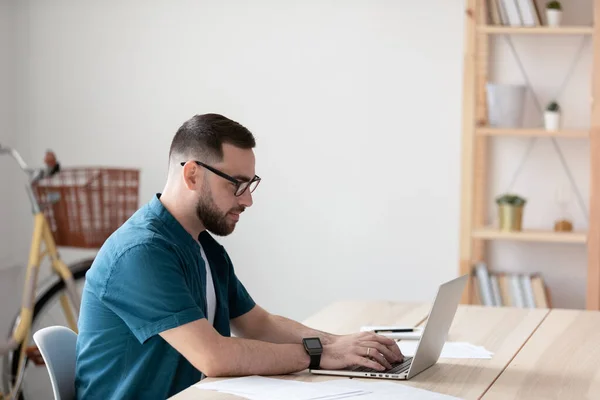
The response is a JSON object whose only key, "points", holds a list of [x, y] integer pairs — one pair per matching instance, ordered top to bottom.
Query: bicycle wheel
{"points": [[47, 312]]}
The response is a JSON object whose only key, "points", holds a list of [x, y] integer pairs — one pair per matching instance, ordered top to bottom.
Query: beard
{"points": [[212, 218]]}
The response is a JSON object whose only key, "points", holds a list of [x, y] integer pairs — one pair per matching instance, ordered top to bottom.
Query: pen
{"points": [[394, 330]]}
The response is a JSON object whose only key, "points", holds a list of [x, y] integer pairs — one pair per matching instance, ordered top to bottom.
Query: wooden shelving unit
{"points": [[541, 30], [572, 133], [474, 230], [489, 233]]}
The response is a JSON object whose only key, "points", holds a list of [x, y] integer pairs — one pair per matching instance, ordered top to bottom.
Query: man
{"points": [[162, 294]]}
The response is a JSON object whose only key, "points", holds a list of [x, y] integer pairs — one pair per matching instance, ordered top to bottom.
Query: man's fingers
{"points": [[382, 339], [389, 343], [392, 345], [395, 349], [374, 353], [390, 355], [366, 362]]}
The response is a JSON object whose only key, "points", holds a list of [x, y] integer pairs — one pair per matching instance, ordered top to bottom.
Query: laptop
{"points": [[430, 344]]}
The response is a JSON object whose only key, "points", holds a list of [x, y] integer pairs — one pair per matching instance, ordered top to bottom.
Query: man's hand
{"points": [[366, 349]]}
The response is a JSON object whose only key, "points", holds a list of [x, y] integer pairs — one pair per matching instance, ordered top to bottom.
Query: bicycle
{"points": [[64, 214]]}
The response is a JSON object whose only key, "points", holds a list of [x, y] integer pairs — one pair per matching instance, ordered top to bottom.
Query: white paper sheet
{"points": [[450, 350], [263, 388], [382, 390]]}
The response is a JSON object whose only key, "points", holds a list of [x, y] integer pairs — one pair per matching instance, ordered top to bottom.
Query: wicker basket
{"points": [[84, 206]]}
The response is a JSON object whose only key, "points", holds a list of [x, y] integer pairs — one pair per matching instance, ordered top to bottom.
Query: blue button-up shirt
{"points": [[148, 277]]}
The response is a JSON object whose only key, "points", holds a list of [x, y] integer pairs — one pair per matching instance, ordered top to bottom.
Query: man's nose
{"points": [[246, 198]]}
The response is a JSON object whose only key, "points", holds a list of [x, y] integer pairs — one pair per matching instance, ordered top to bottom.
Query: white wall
{"points": [[356, 110], [357, 114], [7, 130]]}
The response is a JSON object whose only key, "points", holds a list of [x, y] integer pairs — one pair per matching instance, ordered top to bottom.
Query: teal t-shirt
{"points": [[148, 277]]}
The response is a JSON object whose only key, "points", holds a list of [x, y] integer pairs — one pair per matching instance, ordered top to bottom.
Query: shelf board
{"points": [[536, 30], [567, 133], [531, 235]]}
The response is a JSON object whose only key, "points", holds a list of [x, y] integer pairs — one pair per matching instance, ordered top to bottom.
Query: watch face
{"points": [[313, 344]]}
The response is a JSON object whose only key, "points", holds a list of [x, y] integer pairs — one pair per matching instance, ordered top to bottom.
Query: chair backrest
{"points": [[57, 347]]}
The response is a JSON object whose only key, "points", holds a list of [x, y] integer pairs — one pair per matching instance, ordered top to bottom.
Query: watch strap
{"points": [[315, 361]]}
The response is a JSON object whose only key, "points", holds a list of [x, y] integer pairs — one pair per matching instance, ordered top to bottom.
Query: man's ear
{"points": [[191, 178]]}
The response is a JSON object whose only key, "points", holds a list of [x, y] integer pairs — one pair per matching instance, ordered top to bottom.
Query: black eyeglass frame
{"points": [[231, 179]]}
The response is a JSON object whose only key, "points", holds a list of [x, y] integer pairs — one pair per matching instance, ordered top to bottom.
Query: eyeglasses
{"points": [[240, 186]]}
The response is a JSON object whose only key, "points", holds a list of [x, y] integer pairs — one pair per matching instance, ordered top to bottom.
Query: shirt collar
{"points": [[169, 221], [205, 238]]}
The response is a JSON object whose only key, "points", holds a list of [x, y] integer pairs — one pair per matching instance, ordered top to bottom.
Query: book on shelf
{"points": [[513, 13], [500, 289]]}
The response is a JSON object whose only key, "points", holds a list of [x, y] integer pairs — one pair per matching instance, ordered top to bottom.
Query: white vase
{"points": [[554, 17], [505, 104], [552, 120]]}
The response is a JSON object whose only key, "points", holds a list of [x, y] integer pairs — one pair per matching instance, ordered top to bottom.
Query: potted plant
{"points": [[553, 13], [552, 116], [510, 211]]}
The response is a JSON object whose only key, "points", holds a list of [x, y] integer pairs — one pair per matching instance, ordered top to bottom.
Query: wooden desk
{"points": [[501, 330], [560, 361]]}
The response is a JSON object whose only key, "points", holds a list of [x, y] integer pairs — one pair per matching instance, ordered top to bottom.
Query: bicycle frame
{"points": [[41, 235]]}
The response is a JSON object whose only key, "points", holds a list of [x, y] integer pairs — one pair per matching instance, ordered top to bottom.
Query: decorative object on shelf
{"points": [[553, 13], [505, 104], [552, 117], [563, 198], [510, 211], [563, 225]]}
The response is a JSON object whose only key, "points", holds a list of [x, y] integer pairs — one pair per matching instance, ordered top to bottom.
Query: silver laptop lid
{"points": [[438, 324]]}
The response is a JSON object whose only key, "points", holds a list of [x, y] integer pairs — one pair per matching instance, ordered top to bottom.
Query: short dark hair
{"points": [[204, 135]]}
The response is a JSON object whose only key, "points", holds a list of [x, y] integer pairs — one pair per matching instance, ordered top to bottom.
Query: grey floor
{"points": [[11, 287], [37, 385]]}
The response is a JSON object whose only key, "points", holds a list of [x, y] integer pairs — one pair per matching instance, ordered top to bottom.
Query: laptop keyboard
{"points": [[396, 367]]}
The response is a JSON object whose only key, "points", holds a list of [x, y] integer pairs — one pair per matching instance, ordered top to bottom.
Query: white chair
{"points": [[57, 347]]}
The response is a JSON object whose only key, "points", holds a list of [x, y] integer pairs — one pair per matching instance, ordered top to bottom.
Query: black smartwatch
{"points": [[314, 348]]}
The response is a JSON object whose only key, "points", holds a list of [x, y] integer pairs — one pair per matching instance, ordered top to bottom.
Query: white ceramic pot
{"points": [[554, 17], [505, 104], [552, 120]]}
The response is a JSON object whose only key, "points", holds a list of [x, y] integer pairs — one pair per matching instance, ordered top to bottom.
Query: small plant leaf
{"points": [[553, 106], [510, 199]]}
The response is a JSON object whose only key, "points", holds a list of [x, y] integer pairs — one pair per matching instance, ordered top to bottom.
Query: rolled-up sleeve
{"points": [[147, 289]]}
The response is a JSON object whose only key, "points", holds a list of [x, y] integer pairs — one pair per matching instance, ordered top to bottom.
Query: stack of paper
{"points": [[450, 350], [261, 388], [383, 390]]}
